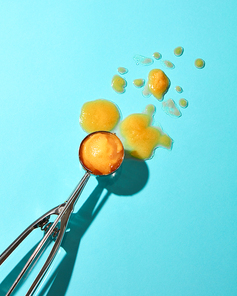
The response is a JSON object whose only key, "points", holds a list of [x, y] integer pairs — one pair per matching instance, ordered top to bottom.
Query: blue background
{"points": [[173, 232]]}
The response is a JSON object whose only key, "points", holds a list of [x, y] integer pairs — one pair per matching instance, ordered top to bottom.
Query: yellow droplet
{"points": [[178, 51], [156, 55], [199, 63], [169, 64], [122, 70], [138, 82], [118, 84], [179, 89], [183, 103], [150, 109]]}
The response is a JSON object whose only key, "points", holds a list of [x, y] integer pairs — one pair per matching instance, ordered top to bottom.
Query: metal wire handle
{"points": [[63, 211]]}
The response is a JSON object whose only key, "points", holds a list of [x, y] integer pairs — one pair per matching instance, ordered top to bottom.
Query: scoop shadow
{"points": [[128, 180], [5, 285]]}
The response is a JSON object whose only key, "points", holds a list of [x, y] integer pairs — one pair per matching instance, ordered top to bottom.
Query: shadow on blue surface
{"points": [[130, 179], [5, 285]]}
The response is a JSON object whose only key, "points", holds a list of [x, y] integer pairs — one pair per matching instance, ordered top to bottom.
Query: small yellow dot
{"points": [[178, 51], [156, 55], [199, 63], [169, 64], [122, 70], [138, 82], [179, 89], [183, 103]]}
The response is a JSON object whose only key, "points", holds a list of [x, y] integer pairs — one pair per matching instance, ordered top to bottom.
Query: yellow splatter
{"points": [[178, 51], [156, 55], [199, 63], [169, 64], [122, 70], [138, 82], [158, 83], [118, 84], [179, 89], [183, 103], [99, 115], [140, 138]]}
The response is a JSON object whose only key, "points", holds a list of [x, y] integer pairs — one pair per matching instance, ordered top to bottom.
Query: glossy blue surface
{"points": [[169, 225]]}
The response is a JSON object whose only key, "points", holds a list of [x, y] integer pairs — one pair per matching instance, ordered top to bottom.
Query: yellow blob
{"points": [[178, 51], [157, 55], [199, 63], [169, 64], [122, 70], [138, 82], [158, 83], [118, 84], [179, 89], [183, 103], [150, 109], [99, 115], [140, 137], [101, 153]]}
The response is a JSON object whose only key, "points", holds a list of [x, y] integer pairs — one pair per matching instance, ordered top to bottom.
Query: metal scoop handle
{"points": [[63, 211]]}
